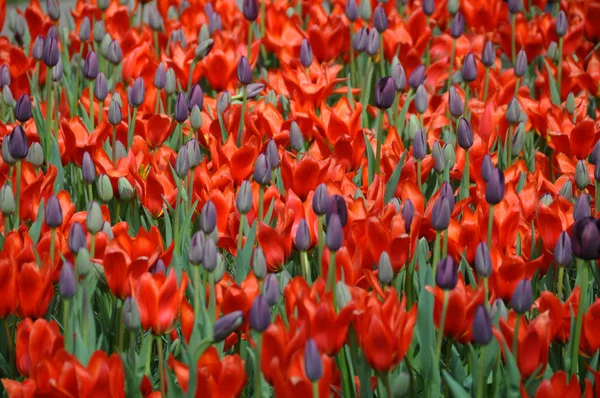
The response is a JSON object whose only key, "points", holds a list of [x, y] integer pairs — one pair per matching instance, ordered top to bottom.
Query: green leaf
{"points": [[554, 93], [402, 116], [85, 117], [370, 160], [56, 162], [390, 186], [269, 214], [36, 227], [168, 227], [243, 258], [425, 331], [512, 376], [456, 389]]}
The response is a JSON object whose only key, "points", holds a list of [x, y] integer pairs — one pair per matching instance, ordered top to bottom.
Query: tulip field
{"points": [[273, 198]]}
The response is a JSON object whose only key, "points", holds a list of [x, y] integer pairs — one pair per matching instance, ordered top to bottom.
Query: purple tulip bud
{"points": [[514, 6], [428, 7], [53, 9], [250, 10], [351, 10], [155, 20], [380, 20], [561, 24], [458, 25], [84, 30], [52, 32], [359, 42], [372, 43], [50, 53], [115, 54], [306, 54], [488, 57], [521, 63], [90, 66], [469, 68], [57, 71], [244, 71], [4, 76], [399, 76], [160, 77], [417, 77], [101, 87], [254, 89], [137, 93], [385, 93], [196, 97], [421, 100], [223, 101], [455, 103], [23, 108], [181, 109], [115, 114], [465, 134], [296, 137], [18, 145], [419, 146], [272, 153], [438, 156], [182, 163], [486, 167], [88, 169], [262, 170], [582, 175], [494, 191], [447, 192], [243, 201], [320, 201], [337, 205], [582, 208], [408, 213], [440, 214], [53, 216], [208, 217], [335, 234], [302, 236], [77, 238], [585, 238], [196, 249], [563, 252], [209, 255], [483, 260], [158, 267], [385, 272], [446, 276], [67, 282], [271, 289], [522, 296], [499, 308], [131, 314], [260, 314], [226, 325], [482, 326], [313, 366]]}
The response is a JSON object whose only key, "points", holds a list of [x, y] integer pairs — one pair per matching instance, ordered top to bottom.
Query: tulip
{"points": [[428, 7], [53, 9], [351, 10], [380, 20], [114, 53], [306, 54], [469, 68], [417, 77], [421, 100], [455, 103], [23, 108], [438, 156], [88, 169], [494, 192], [7, 201], [582, 207], [259, 263], [385, 273], [271, 289], [131, 314], [226, 325], [482, 326], [313, 366]]}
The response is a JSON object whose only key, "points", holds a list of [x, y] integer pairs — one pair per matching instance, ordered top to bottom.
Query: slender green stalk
{"points": [[513, 40], [156, 45], [249, 45], [427, 55], [452, 55], [381, 56], [560, 61], [486, 84], [517, 85], [189, 86], [365, 92], [91, 94], [157, 101], [244, 104], [48, 110], [131, 131], [224, 135], [379, 138], [114, 146], [509, 146], [419, 182], [191, 189], [464, 192], [18, 193], [261, 205], [176, 223], [490, 226], [240, 234], [320, 243], [93, 245], [52, 246], [445, 246], [436, 253], [305, 265], [582, 269], [331, 277], [561, 277], [196, 281], [486, 290], [212, 300], [66, 317], [121, 326], [440, 336], [10, 343], [148, 357], [161, 368], [257, 372], [481, 373], [315, 389]]}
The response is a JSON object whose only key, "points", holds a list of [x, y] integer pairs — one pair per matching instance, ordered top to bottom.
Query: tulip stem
{"points": [[513, 43], [156, 45], [249, 45], [452, 54], [381, 56], [427, 56], [560, 61], [352, 66], [192, 67], [486, 84], [517, 85], [365, 91], [91, 94], [48, 111], [241, 126], [131, 131], [224, 135], [379, 138], [114, 146], [508, 148], [466, 178], [419, 182], [191, 189], [18, 194], [261, 205], [176, 223], [490, 226], [240, 234], [320, 243], [93, 245], [52, 246], [445, 247], [436, 253], [305, 267], [582, 269], [331, 276], [561, 276], [196, 280], [212, 300], [66, 318], [121, 327], [440, 336], [515, 342], [161, 359], [481, 373], [257, 374], [315, 389]]}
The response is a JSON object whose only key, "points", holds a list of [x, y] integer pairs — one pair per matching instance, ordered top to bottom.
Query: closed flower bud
{"points": [[452, 6], [514, 6], [428, 7], [53, 9], [250, 9], [351, 10], [365, 10], [155, 20], [380, 20], [561, 24], [458, 25], [84, 29], [99, 31], [52, 32], [372, 41], [359, 42], [38, 49], [552, 51], [50, 53], [115, 54], [306, 54], [488, 57], [521, 63], [90, 66], [469, 68], [57, 71], [244, 71], [4, 76], [160, 77], [399, 77], [417, 77], [171, 82], [101, 87], [137, 93], [385, 93], [8, 97], [196, 97], [117, 98], [223, 102], [455, 103], [570, 105], [23, 108], [181, 110], [513, 111], [115, 114], [196, 118], [413, 126], [465, 134], [296, 137], [518, 140], [18, 145], [419, 146], [193, 150], [272, 153], [35, 155], [595, 155], [438, 156], [449, 156], [6, 157], [182, 163], [486, 167], [88, 169], [262, 170], [582, 175], [104, 188], [125, 189], [446, 191], [494, 191], [566, 191], [546, 199], [243, 200], [7, 201], [320, 201], [337, 205], [582, 207], [408, 213], [440, 214], [208, 217], [94, 218], [335, 234], [302, 236], [77, 238], [585, 238], [196, 249], [563, 252], [209, 255], [483, 260], [83, 263], [259, 263], [158, 267], [385, 273], [446, 276], [67, 282], [271, 289], [342, 294], [522, 297], [499, 310], [131, 314], [260, 314], [226, 325], [482, 326], [313, 365]]}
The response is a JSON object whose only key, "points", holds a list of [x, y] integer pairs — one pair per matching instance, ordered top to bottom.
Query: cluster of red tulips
{"points": [[218, 198]]}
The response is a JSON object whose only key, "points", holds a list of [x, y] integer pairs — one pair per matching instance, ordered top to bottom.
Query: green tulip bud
{"points": [[104, 188], [7, 201], [94, 218]]}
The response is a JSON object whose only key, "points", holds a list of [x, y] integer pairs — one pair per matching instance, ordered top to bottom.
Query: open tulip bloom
{"points": [[250, 198]]}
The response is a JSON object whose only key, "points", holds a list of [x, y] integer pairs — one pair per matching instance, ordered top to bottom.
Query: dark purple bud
{"points": [[514, 6], [428, 7], [53, 9], [250, 9], [351, 10], [380, 20], [214, 23], [561, 24], [458, 25], [84, 29], [52, 32], [359, 42], [372, 43], [38, 49], [50, 53], [115, 54], [306, 54], [488, 57], [521, 63], [90, 66], [469, 68], [244, 71], [4, 76], [399, 76], [160, 77], [417, 77], [101, 87], [254, 89], [137, 93], [385, 93], [196, 97], [421, 100], [455, 103], [23, 108], [181, 109], [115, 114], [465, 134], [296, 137], [18, 145], [419, 146], [272, 153], [438, 156], [182, 163], [486, 167], [88, 169], [262, 170], [494, 191], [447, 192], [243, 201], [320, 201], [337, 205], [582, 208], [408, 213], [440, 214], [53, 216], [208, 217], [335, 233], [302, 236], [77, 238], [585, 238], [196, 249], [563, 252], [209, 255], [483, 260], [158, 267], [446, 276], [67, 282], [271, 289], [522, 296], [260, 314], [226, 325], [482, 326], [313, 366]]}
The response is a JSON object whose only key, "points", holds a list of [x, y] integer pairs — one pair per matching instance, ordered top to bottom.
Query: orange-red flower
{"points": [[36, 341]]}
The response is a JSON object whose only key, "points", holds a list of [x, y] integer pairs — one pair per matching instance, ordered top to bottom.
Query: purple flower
{"points": [[385, 93], [446, 276], [522, 296], [482, 326]]}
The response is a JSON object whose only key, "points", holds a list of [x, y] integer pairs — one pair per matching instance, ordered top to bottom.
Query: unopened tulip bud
{"points": [[453, 6], [514, 6], [428, 7], [53, 9], [250, 9], [351, 10], [365, 10], [155, 20], [380, 20], [561, 24], [458, 25], [84, 29], [372, 41], [359, 42], [38, 49], [552, 51], [50, 52], [115, 54], [306, 54], [488, 57], [521, 64], [90, 66], [469, 68], [57, 71], [244, 71], [160, 77], [399, 77], [101, 87], [137, 93], [385, 93], [8, 97], [196, 97], [421, 100], [223, 102], [455, 103], [570, 104], [23, 108], [181, 109], [513, 111], [413, 126], [465, 134], [296, 137], [518, 140], [18, 144], [419, 145], [193, 150], [272, 153], [35, 155], [595, 155], [438, 156], [6, 157], [182, 163], [88, 169], [262, 170], [582, 175], [104, 188], [125, 189], [566, 191], [494, 192], [7, 201], [243, 201], [320, 201], [337, 205], [582, 207], [408, 213], [440, 214], [208, 217], [94, 218], [335, 234], [302, 236], [77, 238], [585, 238], [196, 249], [563, 252], [209, 255], [483, 260], [83, 263], [259, 263], [158, 267], [385, 273], [446, 276], [67, 282], [271, 289], [342, 294], [522, 297], [499, 310], [131, 314], [260, 314], [226, 325], [482, 326], [313, 365]]}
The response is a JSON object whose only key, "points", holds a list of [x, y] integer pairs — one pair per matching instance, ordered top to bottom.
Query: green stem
{"points": [[250, 31], [513, 42], [156, 45], [452, 55], [381, 56], [427, 56], [560, 61], [192, 66], [486, 84], [517, 85], [365, 91], [91, 94], [48, 110], [241, 126], [131, 131], [224, 135], [379, 138], [114, 146], [508, 148], [466, 178], [419, 182], [191, 189], [18, 192], [261, 205], [176, 223], [490, 226], [240, 234], [320, 243], [93, 245], [52, 246], [436, 253], [305, 267], [582, 269], [561, 276], [331, 277], [196, 280], [486, 289], [212, 300], [121, 326], [440, 336], [515, 342], [10, 343], [148, 356], [161, 359], [257, 372], [481, 373], [315, 389]]}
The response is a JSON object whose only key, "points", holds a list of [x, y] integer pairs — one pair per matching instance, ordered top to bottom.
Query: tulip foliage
{"points": [[346, 198]]}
